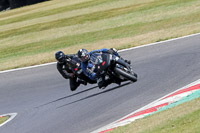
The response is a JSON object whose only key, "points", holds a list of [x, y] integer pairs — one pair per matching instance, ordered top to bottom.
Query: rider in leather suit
{"points": [[64, 66], [86, 66]]}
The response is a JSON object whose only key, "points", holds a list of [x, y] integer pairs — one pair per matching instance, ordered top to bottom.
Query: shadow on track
{"points": [[111, 89], [62, 98]]}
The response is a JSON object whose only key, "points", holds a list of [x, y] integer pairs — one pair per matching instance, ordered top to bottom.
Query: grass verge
{"points": [[31, 35], [184, 118], [3, 119]]}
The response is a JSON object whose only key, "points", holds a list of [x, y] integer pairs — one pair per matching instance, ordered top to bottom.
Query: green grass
{"points": [[54, 11], [84, 18], [36, 32], [184, 118], [3, 119], [186, 123]]}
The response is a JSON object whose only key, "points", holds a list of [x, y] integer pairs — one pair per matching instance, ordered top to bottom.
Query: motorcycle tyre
{"points": [[132, 77]]}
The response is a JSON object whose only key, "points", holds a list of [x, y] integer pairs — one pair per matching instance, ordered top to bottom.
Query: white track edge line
{"points": [[173, 39], [145, 45], [24, 68], [12, 117]]}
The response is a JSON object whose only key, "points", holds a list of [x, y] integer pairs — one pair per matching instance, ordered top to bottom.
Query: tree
{"points": [[17, 3], [4, 4]]}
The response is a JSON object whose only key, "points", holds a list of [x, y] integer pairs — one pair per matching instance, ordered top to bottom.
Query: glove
{"points": [[110, 51], [113, 51], [71, 75]]}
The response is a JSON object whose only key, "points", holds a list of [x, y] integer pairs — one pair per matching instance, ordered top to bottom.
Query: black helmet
{"points": [[83, 55], [60, 56]]}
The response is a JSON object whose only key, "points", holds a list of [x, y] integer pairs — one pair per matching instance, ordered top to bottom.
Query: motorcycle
{"points": [[112, 66]]}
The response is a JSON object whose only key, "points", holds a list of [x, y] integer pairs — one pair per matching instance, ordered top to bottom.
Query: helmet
{"points": [[83, 55], [60, 56]]}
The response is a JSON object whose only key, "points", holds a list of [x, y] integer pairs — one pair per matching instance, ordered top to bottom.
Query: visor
{"points": [[85, 58], [61, 59]]}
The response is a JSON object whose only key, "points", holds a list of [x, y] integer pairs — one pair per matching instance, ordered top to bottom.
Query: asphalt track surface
{"points": [[45, 104]]}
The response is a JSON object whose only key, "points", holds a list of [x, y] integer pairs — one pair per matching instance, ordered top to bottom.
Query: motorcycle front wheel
{"points": [[129, 76]]}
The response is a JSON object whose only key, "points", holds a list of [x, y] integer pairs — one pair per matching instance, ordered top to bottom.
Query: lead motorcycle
{"points": [[112, 66]]}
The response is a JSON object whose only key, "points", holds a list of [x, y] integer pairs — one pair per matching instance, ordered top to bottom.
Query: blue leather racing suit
{"points": [[88, 66]]}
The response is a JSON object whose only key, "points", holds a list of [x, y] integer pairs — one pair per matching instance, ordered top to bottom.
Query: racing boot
{"points": [[128, 61], [112, 79], [82, 81], [117, 81], [100, 82], [103, 83], [106, 83]]}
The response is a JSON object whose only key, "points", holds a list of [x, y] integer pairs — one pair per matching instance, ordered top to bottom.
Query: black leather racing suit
{"points": [[67, 70]]}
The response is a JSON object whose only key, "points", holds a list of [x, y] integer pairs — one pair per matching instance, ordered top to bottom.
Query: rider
{"points": [[64, 66], [87, 66]]}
